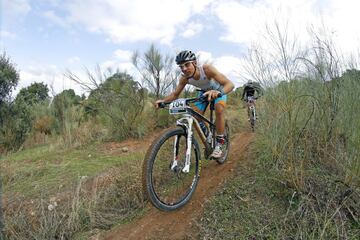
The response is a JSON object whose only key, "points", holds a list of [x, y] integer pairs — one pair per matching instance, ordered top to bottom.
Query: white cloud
{"points": [[54, 3], [15, 8], [12, 12], [51, 15], [342, 18], [134, 20], [239, 21], [245, 23], [192, 29], [7, 34], [123, 55], [204, 56], [74, 60], [110, 64], [114, 65], [227, 65], [126, 66], [230, 67], [42, 70], [48, 74]]}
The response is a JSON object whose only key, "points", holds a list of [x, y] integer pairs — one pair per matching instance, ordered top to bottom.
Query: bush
{"points": [[308, 146]]}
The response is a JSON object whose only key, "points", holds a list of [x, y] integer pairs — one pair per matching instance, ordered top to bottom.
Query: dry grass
{"points": [[95, 203]]}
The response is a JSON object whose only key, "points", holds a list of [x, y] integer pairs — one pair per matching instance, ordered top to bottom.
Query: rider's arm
{"points": [[212, 72], [259, 90], [174, 95]]}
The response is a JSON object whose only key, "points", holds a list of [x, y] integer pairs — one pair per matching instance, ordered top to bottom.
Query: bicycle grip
{"points": [[161, 105]]}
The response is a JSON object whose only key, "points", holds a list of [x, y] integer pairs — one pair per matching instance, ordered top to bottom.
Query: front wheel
{"points": [[226, 147], [164, 181]]}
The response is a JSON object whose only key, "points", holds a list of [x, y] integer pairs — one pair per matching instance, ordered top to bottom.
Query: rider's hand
{"points": [[212, 94], [157, 103]]}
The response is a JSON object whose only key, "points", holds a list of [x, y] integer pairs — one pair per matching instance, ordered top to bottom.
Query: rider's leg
{"points": [[220, 104], [200, 106], [198, 110], [220, 118], [220, 129]]}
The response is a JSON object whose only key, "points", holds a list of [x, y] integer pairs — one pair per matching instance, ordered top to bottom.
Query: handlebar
{"points": [[202, 98], [163, 104]]}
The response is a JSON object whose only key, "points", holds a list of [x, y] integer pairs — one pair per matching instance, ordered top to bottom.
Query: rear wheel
{"points": [[252, 119], [167, 186]]}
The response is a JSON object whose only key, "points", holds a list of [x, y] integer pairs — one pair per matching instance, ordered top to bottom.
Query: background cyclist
{"points": [[250, 88]]}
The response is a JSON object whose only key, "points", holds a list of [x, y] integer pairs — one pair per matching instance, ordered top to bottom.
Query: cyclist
{"points": [[212, 83], [249, 92]]}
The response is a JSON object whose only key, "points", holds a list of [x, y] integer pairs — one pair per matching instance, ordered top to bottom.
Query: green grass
{"points": [[45, 170], [36, 174], [304, 182], [255, 204], [247, 207]]}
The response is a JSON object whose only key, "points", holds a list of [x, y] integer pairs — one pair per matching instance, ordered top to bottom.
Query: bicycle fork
{"points": [[187, 123]]}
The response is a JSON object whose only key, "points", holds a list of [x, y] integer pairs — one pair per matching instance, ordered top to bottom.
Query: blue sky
{"points": [[47, 37]]}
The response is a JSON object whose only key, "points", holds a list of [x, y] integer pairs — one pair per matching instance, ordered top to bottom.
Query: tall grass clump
{"points": [[309, 134]]}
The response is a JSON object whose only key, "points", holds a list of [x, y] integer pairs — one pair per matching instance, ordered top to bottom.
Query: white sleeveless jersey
{"points": [[204, 83]]}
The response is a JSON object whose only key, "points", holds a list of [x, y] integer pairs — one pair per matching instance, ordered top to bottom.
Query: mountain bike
{"points": [[250, 102], [172, 165]]}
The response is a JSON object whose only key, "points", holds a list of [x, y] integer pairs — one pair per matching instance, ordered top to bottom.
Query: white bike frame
{"points": [[187, 121]]}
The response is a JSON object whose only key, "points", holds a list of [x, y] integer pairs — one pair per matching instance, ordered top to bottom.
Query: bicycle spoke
{"points": [[170, 186]]}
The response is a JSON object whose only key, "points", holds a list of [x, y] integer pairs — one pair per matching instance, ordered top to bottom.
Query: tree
{"points": [[157, 71], [351, 74], [9, 77], [35, 93], [68, 97], [116, 98], [121, 100], [19, 115]]}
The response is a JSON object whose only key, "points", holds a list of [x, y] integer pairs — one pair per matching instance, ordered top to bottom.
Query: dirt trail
{"points": [[156, 224]]}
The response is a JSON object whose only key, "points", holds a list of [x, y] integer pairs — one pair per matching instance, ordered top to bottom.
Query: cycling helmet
{"points": [[185, 56]]}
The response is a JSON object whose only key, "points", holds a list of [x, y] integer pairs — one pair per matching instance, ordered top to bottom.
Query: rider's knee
{"points": [[219, 110]]}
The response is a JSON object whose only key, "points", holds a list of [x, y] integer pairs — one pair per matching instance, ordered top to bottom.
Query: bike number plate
{"points": [[178, 106]]}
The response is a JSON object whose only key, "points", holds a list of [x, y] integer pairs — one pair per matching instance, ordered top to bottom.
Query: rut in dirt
{"points": [[181, 224]]}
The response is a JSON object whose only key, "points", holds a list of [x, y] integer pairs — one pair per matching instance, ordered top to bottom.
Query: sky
{"points": [[46, 38]]}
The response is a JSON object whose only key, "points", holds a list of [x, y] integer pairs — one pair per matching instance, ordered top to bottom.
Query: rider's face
{"points": [[187, 68]]}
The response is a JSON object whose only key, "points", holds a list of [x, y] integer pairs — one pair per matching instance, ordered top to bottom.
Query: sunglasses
{"points": [[185, 65]]}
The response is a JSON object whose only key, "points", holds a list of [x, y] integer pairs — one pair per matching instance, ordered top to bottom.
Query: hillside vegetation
{"points": [[70, 165], [304, 179], [304, 182]]}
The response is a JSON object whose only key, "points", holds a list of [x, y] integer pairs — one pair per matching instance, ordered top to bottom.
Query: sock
{"points": [[220, 138]]}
